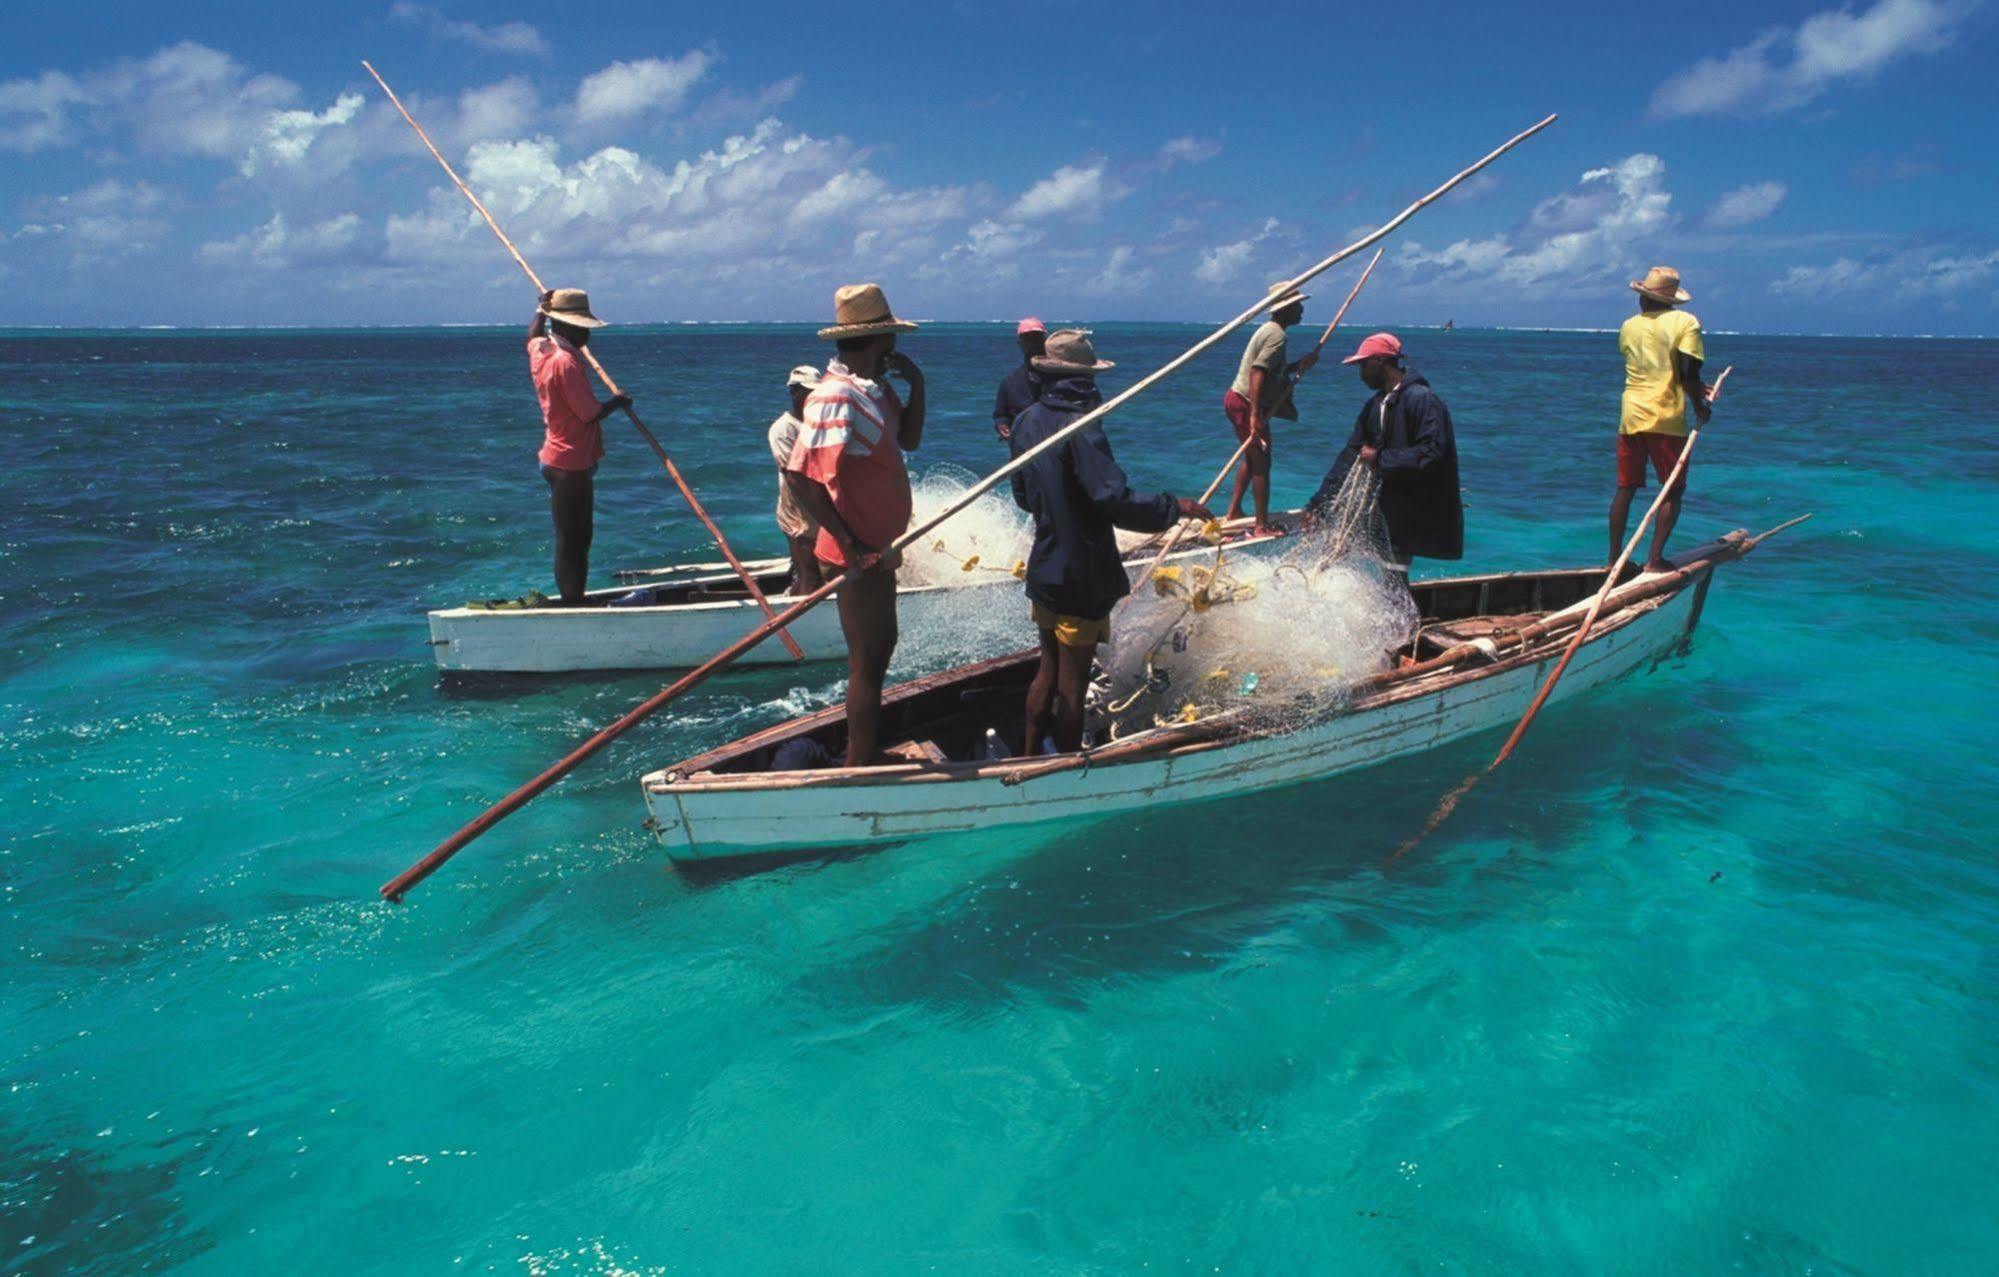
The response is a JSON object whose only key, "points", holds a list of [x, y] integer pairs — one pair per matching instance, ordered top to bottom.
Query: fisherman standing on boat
{"points": [[1662, 375], [1021, 387], [1262, 390], [1404, 434], [573, 435], [848, 475], [1078, 497], [801, 533]]}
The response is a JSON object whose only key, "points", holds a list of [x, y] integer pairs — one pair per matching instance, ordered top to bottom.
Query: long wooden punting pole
{"points": [[1180, 529], [721, 543], [1450, 801], [401, 883]]}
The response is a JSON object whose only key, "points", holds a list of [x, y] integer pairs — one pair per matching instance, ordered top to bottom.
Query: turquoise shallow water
{"points": [[1703, 982]]}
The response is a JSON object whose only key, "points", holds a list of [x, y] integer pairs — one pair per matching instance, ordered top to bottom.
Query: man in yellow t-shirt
{"points": [[1662, 375]]}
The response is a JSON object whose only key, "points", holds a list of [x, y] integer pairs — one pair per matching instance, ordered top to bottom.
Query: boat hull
{"points": [[948, 623], [728, 816]]}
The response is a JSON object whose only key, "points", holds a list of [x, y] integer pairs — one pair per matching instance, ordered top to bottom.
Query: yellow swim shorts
{"points": [[1073, 631]]}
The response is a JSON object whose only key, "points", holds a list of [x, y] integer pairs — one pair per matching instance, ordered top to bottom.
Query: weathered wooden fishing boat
{"points": [[700, 608], [1484, 646]]}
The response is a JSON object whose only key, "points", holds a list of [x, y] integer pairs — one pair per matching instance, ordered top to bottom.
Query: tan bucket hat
{"points": [[1662, 284], [1283, 294], [571, 306], [861, 310], [1069, 351], [805, 375]]}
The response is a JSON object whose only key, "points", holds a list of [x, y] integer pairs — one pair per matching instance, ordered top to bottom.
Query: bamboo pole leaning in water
{"points": [[673, 471], [1180, 529], [1449, 802], [416, 873]]}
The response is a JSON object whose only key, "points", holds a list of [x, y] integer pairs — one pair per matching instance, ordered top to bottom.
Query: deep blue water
{"points": [[1704, 981]]}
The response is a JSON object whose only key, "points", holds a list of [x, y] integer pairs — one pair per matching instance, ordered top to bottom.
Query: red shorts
{"points": [[1237, 409], [1662, 450]]}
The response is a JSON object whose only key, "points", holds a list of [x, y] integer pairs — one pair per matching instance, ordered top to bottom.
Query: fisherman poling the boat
{"points": [[1663, 353], [1020, 387], [1261, 391], [1404, 434], [573, 435], [848, 476], [1078, 497], [801, 533]]}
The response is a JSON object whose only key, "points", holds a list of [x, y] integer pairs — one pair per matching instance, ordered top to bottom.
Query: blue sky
{"points": [[1813, 168]]}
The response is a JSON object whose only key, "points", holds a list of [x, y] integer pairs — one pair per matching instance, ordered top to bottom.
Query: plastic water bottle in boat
{"points": [[994, 748]]}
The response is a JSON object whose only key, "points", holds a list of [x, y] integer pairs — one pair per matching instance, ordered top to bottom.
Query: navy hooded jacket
{"points": [[1418, 462], [1078, 496]]}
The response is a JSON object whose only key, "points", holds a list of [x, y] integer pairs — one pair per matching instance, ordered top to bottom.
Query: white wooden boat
{"points": [[702, 608], [1485, 646]]}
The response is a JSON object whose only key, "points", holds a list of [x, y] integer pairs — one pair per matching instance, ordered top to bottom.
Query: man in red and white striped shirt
{"points": [[846, 471]]}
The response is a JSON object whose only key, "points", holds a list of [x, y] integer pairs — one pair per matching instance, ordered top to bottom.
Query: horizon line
{"points": [[460, 325]]}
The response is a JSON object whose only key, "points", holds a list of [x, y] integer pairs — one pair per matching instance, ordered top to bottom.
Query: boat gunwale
{"points": [[694, 774]]}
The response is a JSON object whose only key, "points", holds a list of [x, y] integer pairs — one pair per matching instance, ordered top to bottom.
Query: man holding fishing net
{"points": [[1404, 438], [847, 473], [1079, 498]]}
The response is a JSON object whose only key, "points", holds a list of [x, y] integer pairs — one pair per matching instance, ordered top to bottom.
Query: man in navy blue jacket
{"points": [[1020, 387], [1404, 433], [1078, 497]]}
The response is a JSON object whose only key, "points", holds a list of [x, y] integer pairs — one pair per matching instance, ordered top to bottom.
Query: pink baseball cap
{"points": [[1030, 325], [1379, 344]]}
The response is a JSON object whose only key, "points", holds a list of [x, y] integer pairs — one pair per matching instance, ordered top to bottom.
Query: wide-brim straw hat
{"points": [[1662, 284], [1287, 296], [571, 306], [862, 310], [1069, 351]]}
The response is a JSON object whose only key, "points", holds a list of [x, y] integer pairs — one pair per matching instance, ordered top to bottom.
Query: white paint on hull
{"points": [[740, 815]]}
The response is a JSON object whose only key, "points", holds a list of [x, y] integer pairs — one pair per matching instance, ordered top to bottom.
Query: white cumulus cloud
{"points": [[504, 37], [1785, 68], [623, 91], [1074, 190], [1746, 204], [1577, 240], [277, 246], [1224, 262]]}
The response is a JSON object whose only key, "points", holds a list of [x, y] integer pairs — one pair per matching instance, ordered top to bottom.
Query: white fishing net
{"points": [[978, 545], [1284, 638]]}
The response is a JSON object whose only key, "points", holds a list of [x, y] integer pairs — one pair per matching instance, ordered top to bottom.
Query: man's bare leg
{"points": [[1258, 460], [1242, 473], [1620, 514], [1662, 531], [805, 574], [867, 618], [1072, 683], [1041, 694]]}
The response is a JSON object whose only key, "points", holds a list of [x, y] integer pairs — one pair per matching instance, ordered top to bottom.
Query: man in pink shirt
{"points": [[573, 438]]}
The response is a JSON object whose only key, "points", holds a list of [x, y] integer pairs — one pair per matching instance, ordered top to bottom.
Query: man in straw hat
{"points": [[1662, 376], [1022, 386], [1262, 390], [1404, 434], [573, 436], [847, 473], [1078, 497], [801, 533]]}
